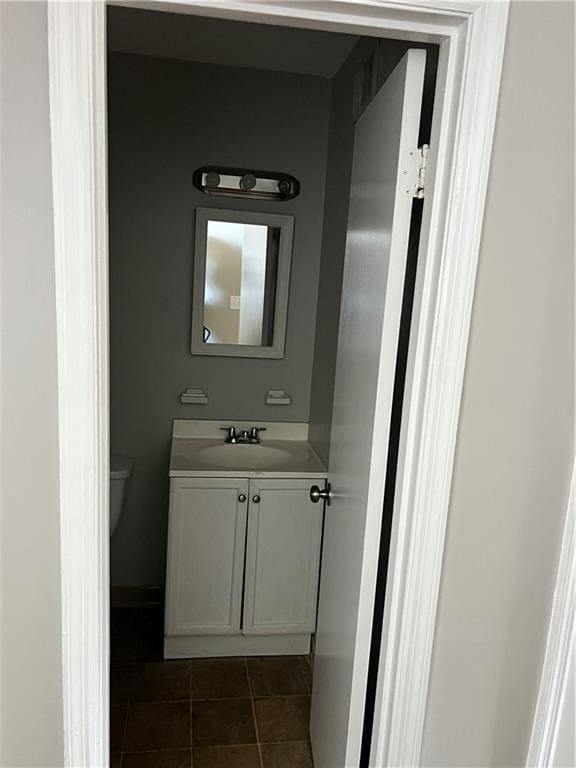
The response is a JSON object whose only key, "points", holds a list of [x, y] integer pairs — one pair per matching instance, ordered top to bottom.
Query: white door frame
{"points": [[471, 37], [559, 654]]}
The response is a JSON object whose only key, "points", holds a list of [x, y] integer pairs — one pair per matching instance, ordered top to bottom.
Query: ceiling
{"points": [[232, 43]]}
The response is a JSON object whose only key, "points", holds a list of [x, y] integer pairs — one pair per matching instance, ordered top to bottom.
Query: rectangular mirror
{"points": [[241, 280]]}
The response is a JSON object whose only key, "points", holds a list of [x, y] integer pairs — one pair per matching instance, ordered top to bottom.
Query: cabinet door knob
{"points": [[317, 493], [242, 497], [256, 499]]}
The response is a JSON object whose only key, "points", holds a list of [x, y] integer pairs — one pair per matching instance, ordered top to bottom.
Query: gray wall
{"points": [[258, 46], [166, 119], [338, 169], [515, 444], [30, 644]]}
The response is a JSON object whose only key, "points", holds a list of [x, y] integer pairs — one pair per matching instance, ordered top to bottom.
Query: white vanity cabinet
{"points": [[206, 545], [282, 558], [243, 566]]}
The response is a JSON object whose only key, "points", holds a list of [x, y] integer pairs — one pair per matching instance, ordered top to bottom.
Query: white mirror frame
{"points": [[286, 226]]}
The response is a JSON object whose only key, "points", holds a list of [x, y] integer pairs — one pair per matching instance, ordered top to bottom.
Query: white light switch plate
{"points": [[234, 302]]}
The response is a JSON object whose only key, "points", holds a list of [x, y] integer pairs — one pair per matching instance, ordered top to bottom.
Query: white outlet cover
{"points": [[234, 302]]}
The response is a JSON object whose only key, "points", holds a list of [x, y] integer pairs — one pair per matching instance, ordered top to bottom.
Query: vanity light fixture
{"points": [[238, 182]]}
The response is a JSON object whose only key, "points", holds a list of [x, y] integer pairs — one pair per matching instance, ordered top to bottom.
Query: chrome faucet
{"points": [[255, 434], [251, 436], [231, 437]]}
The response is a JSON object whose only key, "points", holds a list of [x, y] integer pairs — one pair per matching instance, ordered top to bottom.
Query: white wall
{"points": [[223, 280], [515, 444], [30, 642]]}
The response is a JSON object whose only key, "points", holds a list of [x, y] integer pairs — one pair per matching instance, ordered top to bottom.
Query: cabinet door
{"points": [[206, 540], [282, 558]]}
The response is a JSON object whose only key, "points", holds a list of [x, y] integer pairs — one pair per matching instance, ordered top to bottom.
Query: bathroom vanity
{"points": [[244, 541]]}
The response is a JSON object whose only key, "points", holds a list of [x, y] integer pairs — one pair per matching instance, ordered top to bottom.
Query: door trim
{"points": [[471, 38], [77, 79], [559, 648]]}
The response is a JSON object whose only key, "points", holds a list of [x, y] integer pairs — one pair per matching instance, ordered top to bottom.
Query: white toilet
{"points": [[120, 471]]}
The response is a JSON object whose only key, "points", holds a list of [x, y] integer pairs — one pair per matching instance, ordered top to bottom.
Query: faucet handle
{"points": [[254, 432], [231, 436]]}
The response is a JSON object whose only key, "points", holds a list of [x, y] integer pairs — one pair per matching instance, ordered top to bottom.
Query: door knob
{"points": [[317, 493], [242, 497], [256, 499]]}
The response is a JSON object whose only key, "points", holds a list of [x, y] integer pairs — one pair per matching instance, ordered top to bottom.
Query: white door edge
{"points": [[472, 45], [375, 269], [559, 648]]}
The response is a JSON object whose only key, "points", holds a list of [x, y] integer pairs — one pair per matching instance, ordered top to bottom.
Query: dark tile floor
{"points": [[202, 713]]}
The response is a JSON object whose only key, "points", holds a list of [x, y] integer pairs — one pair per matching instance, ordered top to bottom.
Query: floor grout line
{"points": [[303, 675], [128, 697], [220, 698], [128, 700], [254, 713], [191, 715], [191, 730], [124, 735], [242, 744], [214, 746], [155, 751]]}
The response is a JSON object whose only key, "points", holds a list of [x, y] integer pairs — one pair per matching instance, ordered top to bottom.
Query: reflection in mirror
{"points": [[241, 279], [240, 283]]}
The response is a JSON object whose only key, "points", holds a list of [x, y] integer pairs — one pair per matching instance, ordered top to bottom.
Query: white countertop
{"points": [[193, 454]]}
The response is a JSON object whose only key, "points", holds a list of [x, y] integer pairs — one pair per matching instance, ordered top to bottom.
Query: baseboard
{"points": [[130, 597], [188, 647], [312, 653]]}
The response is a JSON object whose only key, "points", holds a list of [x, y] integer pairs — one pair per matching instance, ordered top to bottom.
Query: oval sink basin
{"points": [[243, 456]]}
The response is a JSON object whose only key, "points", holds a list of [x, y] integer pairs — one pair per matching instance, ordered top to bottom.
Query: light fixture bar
{"points": [[236, 182]]}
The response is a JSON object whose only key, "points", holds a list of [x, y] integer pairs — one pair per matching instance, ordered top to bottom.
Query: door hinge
{"points": [[413, 175]]}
